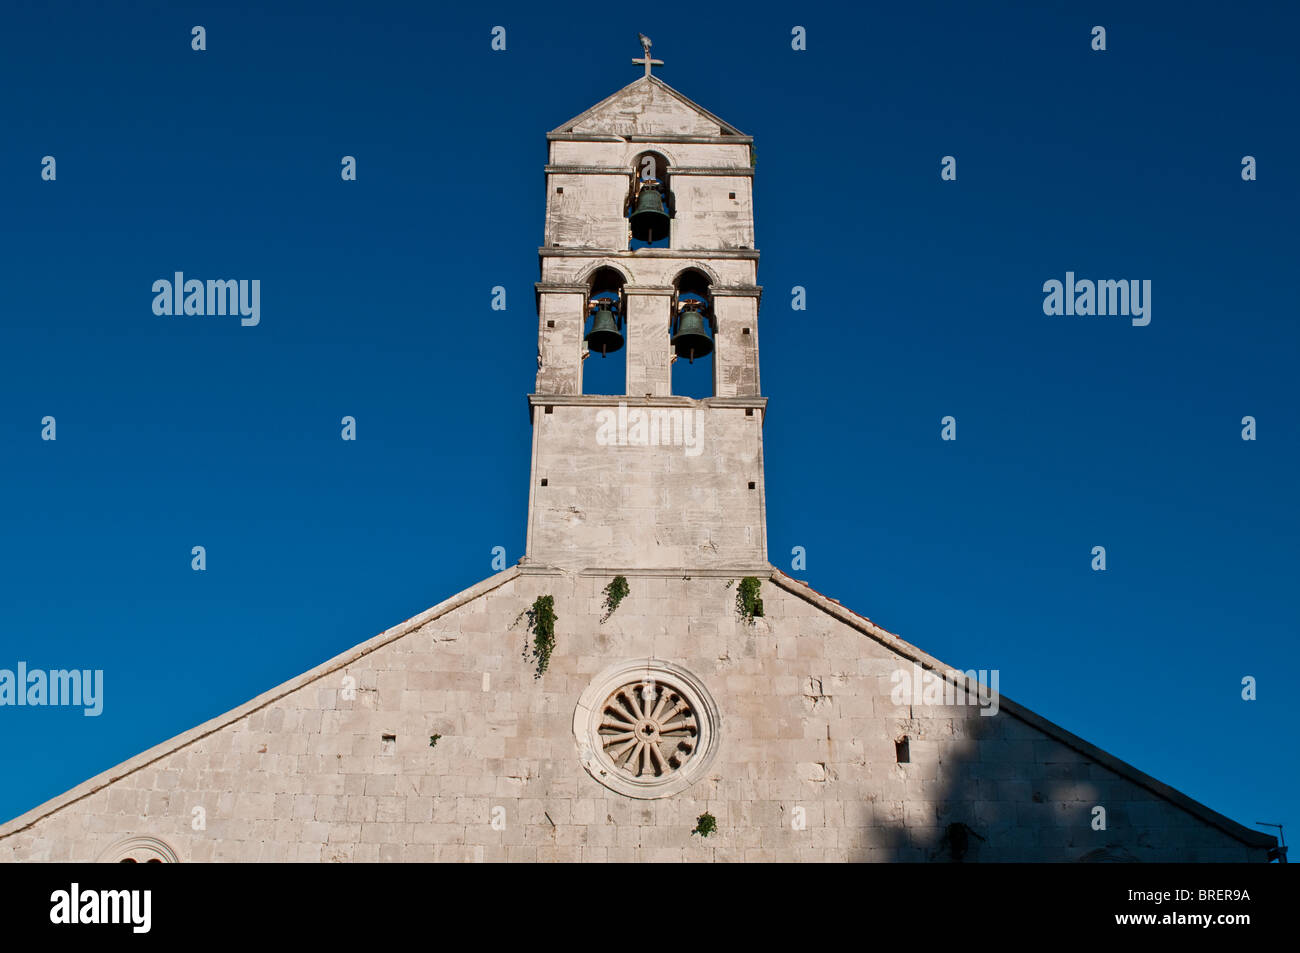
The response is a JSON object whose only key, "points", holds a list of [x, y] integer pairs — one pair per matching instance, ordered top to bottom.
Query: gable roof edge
{"points": [[726, 128], [894, 643], [212, 725]]}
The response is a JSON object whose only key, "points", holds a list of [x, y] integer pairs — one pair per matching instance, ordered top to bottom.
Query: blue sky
{"points": [[924, 300]]}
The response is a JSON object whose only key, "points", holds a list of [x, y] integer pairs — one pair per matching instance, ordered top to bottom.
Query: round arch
{"points": [[635, 149], [699, 266], [585, 276], [139, 850]]}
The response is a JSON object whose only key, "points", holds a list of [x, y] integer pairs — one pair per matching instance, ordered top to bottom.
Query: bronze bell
{"points": [[650, 217], [604, 335], [692, 338]]}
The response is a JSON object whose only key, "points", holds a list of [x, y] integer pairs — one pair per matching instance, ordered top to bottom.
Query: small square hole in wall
{"points": [[559, 190], [731, 195], [550, 324], [744, 330], [550, 409], [749, 411], [543, 481], [751, 484], [387, 744], [902, 750]]}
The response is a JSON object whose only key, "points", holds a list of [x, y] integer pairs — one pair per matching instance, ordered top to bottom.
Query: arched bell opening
{"points": [[650, 204], [692, 330], [604, 358]]}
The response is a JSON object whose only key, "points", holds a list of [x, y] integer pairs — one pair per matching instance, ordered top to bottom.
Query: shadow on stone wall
{"points": [[992, 792]]}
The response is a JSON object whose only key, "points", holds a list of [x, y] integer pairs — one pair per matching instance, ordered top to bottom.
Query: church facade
{"points": [[644, 685]]}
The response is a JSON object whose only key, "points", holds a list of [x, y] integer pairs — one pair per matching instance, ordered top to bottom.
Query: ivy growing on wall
{"points": [[614, 594], [749, 603], [541, 622]]}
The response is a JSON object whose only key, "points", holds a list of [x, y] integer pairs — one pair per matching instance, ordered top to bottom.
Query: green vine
{"points": [[614, 594], [749, 603], [541, 622], [433, 740], [705, 824]]}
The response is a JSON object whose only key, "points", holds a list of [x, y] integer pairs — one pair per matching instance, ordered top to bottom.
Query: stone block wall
{"points": [[671, 504], [337, 765]]}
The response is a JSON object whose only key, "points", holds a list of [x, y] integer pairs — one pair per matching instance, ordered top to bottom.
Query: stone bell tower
{"points": [[649, 216]]}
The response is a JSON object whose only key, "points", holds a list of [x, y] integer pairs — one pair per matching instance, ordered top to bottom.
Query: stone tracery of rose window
{"points": [[648, 729]]}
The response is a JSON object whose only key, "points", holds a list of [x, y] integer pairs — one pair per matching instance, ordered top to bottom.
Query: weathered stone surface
{"points": [[647, 108], [688, 505]]}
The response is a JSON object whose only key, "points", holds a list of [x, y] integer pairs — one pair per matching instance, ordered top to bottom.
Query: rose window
{"points": [[648, 729]]}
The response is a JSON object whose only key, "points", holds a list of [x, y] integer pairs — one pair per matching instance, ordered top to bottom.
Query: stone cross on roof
{"points": [[646, 60]]}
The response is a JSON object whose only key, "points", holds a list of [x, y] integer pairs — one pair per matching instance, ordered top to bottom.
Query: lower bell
{"points": [[604, 336], [692, 338]]}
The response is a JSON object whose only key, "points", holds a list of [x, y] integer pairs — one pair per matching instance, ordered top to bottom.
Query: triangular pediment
{"points": [[648, 107], [429, 663]]}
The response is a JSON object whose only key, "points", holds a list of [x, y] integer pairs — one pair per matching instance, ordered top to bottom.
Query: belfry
{"points": [[649, 250]]}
